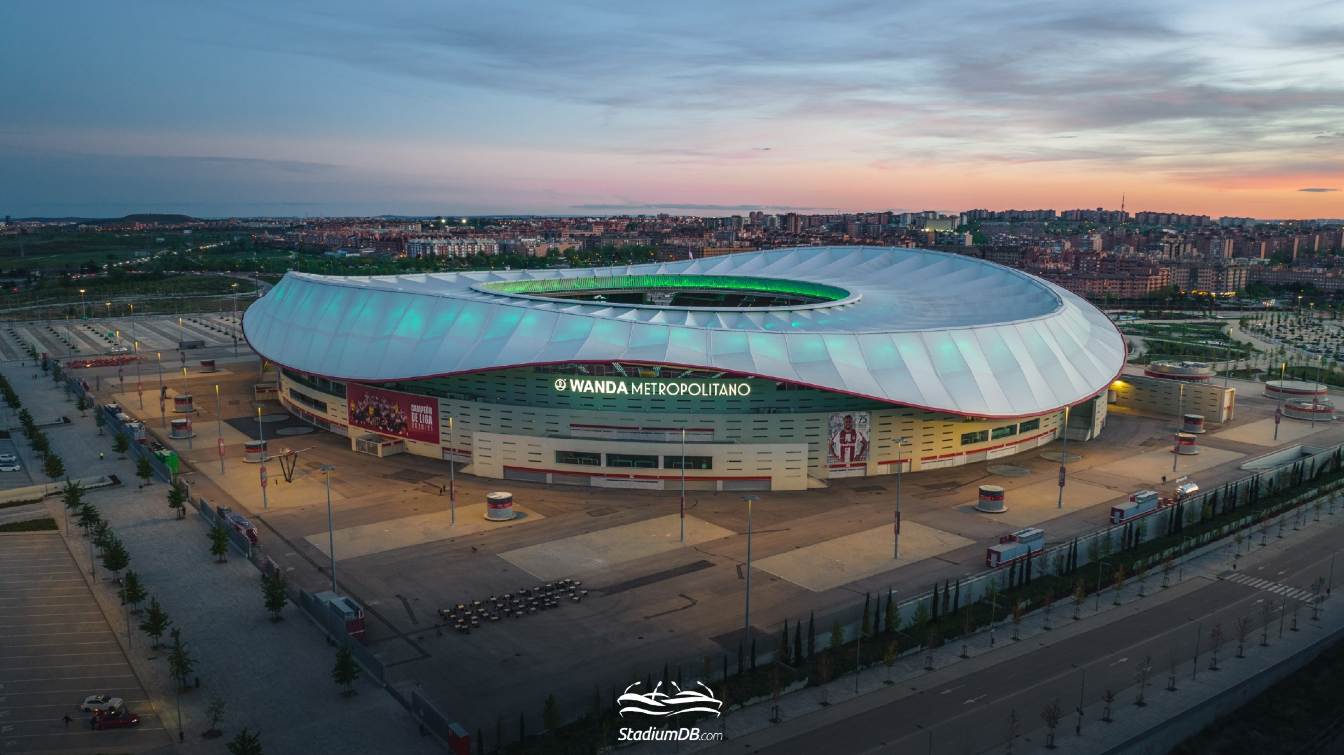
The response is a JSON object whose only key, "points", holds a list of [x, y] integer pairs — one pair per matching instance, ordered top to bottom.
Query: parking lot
{"points": [[57, 649]]}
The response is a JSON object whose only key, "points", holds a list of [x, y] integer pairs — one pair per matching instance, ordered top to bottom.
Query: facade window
{"points": [[316, 383], [308, 401], [1029, 425], [1003, 432], [979, 436], [586, 458], [635, 461], [692, 462]]}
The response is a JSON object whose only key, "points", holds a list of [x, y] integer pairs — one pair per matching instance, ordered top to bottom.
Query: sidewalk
{"points": [[988, 648], [273, 678]]}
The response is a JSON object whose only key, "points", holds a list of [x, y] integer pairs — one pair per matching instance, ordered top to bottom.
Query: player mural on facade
{"points": [[848, 439]]}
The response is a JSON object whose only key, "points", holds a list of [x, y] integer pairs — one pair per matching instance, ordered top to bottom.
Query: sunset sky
{"points": [[336, 107]]}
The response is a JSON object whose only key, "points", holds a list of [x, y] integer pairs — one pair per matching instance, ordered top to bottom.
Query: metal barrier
{"points": [[238, 540], [450, 732]]}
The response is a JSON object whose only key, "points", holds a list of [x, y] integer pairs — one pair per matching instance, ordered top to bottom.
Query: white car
{"points": [[118, 350], [7, 458], [10, 466], [99, 703]]}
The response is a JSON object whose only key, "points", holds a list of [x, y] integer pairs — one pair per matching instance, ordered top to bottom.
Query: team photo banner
{"points": [[391, 413]]}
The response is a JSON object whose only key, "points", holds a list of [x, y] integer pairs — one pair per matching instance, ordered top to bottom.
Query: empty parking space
{"points": [[58, 649]]}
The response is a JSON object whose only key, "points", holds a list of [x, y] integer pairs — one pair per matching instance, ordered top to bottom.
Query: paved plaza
{"points": [[839, 561]]}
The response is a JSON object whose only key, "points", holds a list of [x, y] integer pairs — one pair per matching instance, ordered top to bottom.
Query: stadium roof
{"points": [[906, 326]]}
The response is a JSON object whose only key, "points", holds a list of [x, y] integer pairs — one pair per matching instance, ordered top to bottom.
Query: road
{"points": [[970, 713]]}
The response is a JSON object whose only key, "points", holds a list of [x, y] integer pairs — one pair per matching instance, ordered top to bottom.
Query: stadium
{"points": [[775, 370]]}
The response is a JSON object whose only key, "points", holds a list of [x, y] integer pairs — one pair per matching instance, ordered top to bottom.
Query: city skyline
{"points": [[510, 109]]}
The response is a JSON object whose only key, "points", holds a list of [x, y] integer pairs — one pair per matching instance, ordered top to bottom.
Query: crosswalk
{"points": [[1280, 589]]}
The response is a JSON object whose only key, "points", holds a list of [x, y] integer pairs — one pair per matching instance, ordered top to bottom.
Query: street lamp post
{"points": [[83, 307], [233, 327], [139, 387], [163, 414], [1180, 421], [219, 427], [261, 430], [1063, 457], [327, 469], [452, 481], [683, 484], [896, 524], [746, 614]]}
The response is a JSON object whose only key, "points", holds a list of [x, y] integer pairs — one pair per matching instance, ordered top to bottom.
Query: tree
{"points": [[82, 404], [100, 420], [120, 444], [53, 466], [143, 470], [72, 495], [177, 498], [88, 517], [219, 543], [115, 558], [274, 589], [132, 592], [1079, 595], [921, 615], [156, 621], [865, 625], [1243, 631], [811, 634], [837, 637], [1216, 640], [797, 646], [783, 653], [889, 656], [180, 661], [346, 671], [1141, 676], [1107, 697], [215, 713], [550, 714], [1051, 715], [246, 743]]}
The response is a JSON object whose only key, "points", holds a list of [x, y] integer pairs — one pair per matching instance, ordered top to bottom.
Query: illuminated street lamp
{"points": [[327, 469], [896, 525], [746, 613]]}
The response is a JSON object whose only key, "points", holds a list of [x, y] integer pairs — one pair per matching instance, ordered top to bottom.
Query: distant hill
{"points": [[146, 217]]}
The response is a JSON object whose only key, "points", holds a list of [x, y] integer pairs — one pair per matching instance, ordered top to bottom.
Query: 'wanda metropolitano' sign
{"points": [[629, 387]]}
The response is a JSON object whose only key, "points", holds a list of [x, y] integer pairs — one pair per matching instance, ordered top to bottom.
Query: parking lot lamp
{"points": [[219, 426], [1063, 457], [327, 469], [452, 479], [683, 484], [896, 525], [746, 614]]}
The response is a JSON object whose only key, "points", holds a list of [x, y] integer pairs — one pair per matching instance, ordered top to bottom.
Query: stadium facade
{"points": [[764, 370]]}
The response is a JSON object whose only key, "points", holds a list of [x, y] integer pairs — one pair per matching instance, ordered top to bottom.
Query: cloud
{"points": [[1317, 189]]}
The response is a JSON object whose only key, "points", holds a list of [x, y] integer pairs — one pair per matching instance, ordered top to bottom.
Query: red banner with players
{"points": [[391, 413]]}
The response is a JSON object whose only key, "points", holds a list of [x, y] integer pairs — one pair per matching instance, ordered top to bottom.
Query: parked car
{"points": [[118, 350], [4, 458], [10, 466], [100, 703], [123, 720]]}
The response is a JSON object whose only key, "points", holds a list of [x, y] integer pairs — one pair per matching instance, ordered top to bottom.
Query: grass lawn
{"points": [[32, 525]]}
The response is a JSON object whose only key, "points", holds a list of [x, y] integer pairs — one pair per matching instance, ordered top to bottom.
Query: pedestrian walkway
{"points": [[1282, 590], [272, 678]]}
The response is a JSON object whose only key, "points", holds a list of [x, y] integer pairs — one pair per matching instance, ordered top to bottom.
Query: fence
{"points": [[117, 427], [238, 540]]}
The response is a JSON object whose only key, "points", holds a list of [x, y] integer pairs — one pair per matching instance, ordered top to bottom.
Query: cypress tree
{"points": [[946, 598], [956, 600], [933, 603], [867, 616], [811, 634], [797, 643], [784, 644]]}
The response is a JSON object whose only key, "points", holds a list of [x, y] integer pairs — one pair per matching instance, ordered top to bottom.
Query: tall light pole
{"points": [[83, 307], [233, 327], [181, 333], [139, 388], [1278, 413], [163, 414], [1180, 419], [219, 427], [261, 431], [1063, 457], [327, 469], [452, 480], [683, 484], [896, 525], [746, 614]]}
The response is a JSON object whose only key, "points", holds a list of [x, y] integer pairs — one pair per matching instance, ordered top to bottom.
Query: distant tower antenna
{"points": [[1122, 204]]}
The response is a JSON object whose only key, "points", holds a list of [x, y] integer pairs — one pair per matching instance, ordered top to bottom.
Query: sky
{"points": [[702, 107]]}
